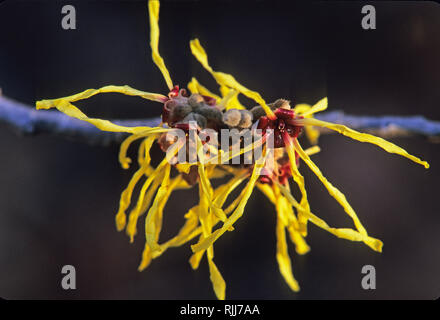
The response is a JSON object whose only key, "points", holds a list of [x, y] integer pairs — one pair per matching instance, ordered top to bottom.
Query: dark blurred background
{"points": [[58, 198]]}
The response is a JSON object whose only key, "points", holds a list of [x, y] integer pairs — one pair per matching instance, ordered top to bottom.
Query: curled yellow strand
{"points": [[153, 9], [225, 79], [195, 87], [127, 90], [230, 98], [321, 105], [66, 107], [308, 111], [363, 137], [313, 150], [145, 154], [299, 180], [333, 191], [125, 200], [238, 212], [151, 221], [292, 225], [131, 229], [191, 229], [343, 233], [282, 255], [217, 280]]}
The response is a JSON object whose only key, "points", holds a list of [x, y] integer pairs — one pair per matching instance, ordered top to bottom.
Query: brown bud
{"points": [[196, 100], [232, 117], [246, 119]]}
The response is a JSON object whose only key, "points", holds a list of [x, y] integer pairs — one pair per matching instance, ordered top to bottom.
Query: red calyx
{"points": [[174, 92], [283, 123], [281, 174]]}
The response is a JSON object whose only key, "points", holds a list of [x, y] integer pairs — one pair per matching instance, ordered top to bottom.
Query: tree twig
{"points": [[26, 120]]}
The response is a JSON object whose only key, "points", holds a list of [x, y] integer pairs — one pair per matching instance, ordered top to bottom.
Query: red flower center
{"points": [[281, 124]]}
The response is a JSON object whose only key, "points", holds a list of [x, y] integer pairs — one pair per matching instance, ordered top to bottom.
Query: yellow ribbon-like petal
{"points": [[153, 9], [227, 79], [195, 87], [127, 90], [230, 98], [321, 105], [66, 107], [308, 111], [363, 137], [313, 150], [124, 160], [299, 180], [333, 191], [125, 200], [137, 212], [151, 222], [344, 233], [208, 241], [282, 252], [217, 280]]}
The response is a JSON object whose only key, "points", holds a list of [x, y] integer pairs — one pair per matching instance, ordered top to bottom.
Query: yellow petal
{"points": [[153, 9], [227, 79], [195, 87], [127, 90], [230, 98], [321, 105], [300, 108], [105, 125], [312, 134], [363, 137], [312, 150], [141, 154], [124, 160], [299, 179], [205, 183], [223, 191], [267, 191], [333, 191], [125, 200], [136, 212], [158, 217], [151, 225], [190, 229], [186, 233], [344, 233], [208, 241], [301, 246], [146, 258], [195, 259], [283, 259], [217, 280]]}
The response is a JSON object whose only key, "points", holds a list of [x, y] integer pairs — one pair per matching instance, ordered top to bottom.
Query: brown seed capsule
{"points": [[196, 100], [281, 103], [180, 111], [258, 111], [210, 113], [232, 117], [246, 119], [201, 120]]}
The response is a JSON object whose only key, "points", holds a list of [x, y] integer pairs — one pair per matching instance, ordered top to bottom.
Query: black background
{"points": [[58, 198]]}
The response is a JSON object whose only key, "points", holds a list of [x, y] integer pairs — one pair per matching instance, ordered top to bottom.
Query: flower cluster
{"points": [[279, 120]]}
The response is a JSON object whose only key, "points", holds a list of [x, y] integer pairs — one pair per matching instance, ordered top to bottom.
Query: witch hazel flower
{"points": [[274, 170]]}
